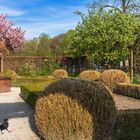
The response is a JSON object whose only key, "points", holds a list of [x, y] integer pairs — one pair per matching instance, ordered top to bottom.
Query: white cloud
{"points": [[10, 11], [51, 28]]}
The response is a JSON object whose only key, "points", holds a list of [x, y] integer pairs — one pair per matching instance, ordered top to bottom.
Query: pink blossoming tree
{"points": [[12, 37]]}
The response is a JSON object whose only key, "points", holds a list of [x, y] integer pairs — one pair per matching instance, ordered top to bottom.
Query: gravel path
{"points": [[123, 102], [20, 115]]}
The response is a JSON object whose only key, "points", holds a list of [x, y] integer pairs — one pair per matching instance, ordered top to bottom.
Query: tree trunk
{"points": [[124, 6], [135, 57], [1, 63], [131, 65]]}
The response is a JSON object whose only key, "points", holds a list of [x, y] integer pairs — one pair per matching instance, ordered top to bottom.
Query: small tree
{"points": [[12, 37]]}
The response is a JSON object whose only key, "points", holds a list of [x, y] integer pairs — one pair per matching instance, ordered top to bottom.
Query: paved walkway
{"points": [[20, 115]]}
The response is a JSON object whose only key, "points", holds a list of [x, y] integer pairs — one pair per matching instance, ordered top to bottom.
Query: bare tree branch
{"points": [[128, 3], [134, 6], [113, 7]]}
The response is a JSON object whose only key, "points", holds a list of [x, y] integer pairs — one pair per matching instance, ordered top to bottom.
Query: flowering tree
{"points": [[12, 37]]}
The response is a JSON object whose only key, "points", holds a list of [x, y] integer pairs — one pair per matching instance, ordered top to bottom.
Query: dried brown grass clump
{"points": [[9, 73], [60, 73], [90, 75], [113, 76], [50, 77], [72, 109]]}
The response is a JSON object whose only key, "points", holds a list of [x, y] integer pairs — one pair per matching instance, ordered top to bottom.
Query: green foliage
{"points": [[105, 36], [68, 40], [39, 46], [56, 46], [49, 67], [26, 70], [9, 73], [31, 89], [29, 96]]}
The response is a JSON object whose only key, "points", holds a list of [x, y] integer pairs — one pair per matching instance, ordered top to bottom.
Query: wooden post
{"points": [[1, 63], [131, 64]]}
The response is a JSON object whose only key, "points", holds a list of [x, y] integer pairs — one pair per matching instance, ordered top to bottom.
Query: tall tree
{"points": [[123, 7], [105, 36], [67, 41], [44, 45], [56, 46]]}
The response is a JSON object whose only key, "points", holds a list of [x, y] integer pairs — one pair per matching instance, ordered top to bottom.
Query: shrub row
{"points": [[109, 77], [131, 90], [128, 125]]}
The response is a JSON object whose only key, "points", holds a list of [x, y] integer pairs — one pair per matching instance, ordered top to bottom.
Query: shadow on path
{"points": [[18, 110]]}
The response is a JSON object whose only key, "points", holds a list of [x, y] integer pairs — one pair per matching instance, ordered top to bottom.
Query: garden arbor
{"points": [[11, 38]]}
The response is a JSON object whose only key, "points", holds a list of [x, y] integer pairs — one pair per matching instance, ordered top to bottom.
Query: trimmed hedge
{"points": [[10, 73], [131, 90], [31, 91], [29, 96], [75, 110], [128, 125]]}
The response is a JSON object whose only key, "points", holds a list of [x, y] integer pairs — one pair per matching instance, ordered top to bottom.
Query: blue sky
{"points": [[44, 16]]}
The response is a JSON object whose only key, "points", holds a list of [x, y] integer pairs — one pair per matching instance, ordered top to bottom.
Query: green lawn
{"points": [[31, 88]]}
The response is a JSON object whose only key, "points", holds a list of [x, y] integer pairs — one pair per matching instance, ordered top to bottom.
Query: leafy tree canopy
{"points": [[105, 36]]}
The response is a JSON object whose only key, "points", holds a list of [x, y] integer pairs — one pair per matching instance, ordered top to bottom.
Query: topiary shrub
{"points": [[9, 73], [60, 73], [90, 75], [113, 76], [71, 109]]}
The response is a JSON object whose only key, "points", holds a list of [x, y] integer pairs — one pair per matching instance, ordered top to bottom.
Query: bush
{"points": [[49, 67], [10, 73], [60, 73], [90, 75], [113, 76], [131, 90], [29, 96], [72, 109]]}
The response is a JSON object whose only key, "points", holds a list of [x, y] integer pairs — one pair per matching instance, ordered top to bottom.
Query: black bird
{"points": [[4, 125]]}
